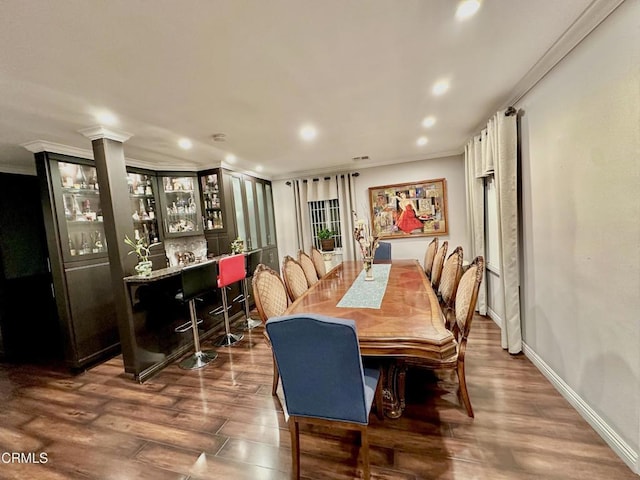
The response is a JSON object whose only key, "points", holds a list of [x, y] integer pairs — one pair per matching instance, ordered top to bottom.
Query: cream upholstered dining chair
{"points": [[429, 255], [318, 262], [438, 262], [308, 268], [294, 278], [449, 279], [271, 301], [465, 306]]}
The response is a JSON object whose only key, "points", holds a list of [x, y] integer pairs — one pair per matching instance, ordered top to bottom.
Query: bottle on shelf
{"points": [[93, 182], [148, 190], [143, 211], [154, 234], [97, 242], [84, 245], [72, 247]]}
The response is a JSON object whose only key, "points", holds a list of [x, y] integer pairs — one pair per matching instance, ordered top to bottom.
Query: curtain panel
{"points": [[494, 152], [329, 187]]}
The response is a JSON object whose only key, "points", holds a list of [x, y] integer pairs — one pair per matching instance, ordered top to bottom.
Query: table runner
{"points": [[367, 293]]}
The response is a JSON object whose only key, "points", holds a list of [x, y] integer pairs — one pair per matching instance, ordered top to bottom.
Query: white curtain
{"points": [[495, 152], [329, 187], [475, 210]]}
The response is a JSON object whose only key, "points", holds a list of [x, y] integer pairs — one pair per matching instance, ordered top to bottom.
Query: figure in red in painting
{"points": [[407, 220]]}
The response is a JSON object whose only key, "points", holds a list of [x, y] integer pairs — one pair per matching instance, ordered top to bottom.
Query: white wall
{"points": [[450, 168], [581, 226]]}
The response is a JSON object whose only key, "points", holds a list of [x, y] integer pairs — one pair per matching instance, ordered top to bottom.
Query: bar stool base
{"points": [[251, 323], [228, 339], [198, 360]]}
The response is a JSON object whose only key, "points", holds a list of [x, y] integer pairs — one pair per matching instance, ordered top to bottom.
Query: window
{"points": [[325, 214], [492, 244]]}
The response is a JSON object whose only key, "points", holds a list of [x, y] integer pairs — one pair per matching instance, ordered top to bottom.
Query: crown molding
{"points": [[591, 17], [99, 131], [38, 146], [362, 165], [18, 169]]}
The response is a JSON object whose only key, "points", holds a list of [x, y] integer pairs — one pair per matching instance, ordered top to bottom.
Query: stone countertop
{"points": [[165, 272]]}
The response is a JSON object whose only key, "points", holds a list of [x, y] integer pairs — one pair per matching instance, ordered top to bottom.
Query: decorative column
{"points": [[108, 153]]}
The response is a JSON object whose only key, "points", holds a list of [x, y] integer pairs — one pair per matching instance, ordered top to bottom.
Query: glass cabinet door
{"points": [[180, 201], [212, 205], [143, 208], [239, 208], [82, 210], [262, 214], [252, 234], [271, 236]]}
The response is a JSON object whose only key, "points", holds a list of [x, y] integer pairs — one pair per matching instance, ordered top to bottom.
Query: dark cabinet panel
{"points": [[77, 249], [92, 316]]}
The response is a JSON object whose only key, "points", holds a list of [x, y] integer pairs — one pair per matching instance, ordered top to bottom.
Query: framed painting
{"points": [[409, 209]]}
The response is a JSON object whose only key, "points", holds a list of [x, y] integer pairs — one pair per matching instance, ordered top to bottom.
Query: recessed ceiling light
{"points": [[467, 8], [440, 87], [106, 118], [429, 122], [308, 132], [422, 141], [185, 143], [230, 158], [259, 168]]}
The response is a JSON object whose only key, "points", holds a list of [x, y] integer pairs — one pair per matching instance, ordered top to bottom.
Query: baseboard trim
{"points": [[495, 317], [617, 444]]}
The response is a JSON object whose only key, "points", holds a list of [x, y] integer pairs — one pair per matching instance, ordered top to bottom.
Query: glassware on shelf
{"points": [[211, 200], [82, 209], [181, 212], [143, 214]]}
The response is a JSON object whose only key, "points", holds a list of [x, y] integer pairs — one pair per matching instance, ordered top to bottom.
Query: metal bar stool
{"points": [[252, 260], [231, 269], [196, 280]]}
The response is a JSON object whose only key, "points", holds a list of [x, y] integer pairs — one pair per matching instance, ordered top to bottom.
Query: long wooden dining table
{"points": [[408, 323]]}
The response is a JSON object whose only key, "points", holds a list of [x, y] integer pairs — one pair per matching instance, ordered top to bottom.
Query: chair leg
{"points": [[250, 323], [228, 338], [199, 358], [276, 377], [463, 389], [294, 429], [364, 448]]}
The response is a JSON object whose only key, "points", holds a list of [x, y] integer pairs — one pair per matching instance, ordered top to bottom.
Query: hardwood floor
{"points": [[221, 422]]}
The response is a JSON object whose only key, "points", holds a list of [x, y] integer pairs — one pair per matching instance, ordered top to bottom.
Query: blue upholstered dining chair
{"points": [[383, 252], [323, 380]]}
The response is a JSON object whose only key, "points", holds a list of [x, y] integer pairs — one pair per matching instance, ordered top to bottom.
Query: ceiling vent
{"points": [[219, 137], [364, 157]]}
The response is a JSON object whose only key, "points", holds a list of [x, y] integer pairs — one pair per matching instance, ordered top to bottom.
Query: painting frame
{"points": [[407, 210]]}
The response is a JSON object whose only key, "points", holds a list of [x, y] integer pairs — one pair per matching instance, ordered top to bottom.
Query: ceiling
{"points": [[360, 71]]}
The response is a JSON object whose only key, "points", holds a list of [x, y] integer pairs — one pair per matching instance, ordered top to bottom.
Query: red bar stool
{"points": [[231, 269], [196, 280]]}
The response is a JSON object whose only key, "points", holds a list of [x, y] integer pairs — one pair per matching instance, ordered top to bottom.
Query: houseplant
{"points": [[327, 242], [140, 248]]}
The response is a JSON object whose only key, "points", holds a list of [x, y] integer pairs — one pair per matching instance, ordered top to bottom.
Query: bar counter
{"points": [[152, 337]]}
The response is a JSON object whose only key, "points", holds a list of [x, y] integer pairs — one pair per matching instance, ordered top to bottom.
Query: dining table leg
{"points": [[394, 388]]}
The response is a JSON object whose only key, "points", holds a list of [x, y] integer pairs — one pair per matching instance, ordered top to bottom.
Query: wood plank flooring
{"points": [[221, 422]]}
